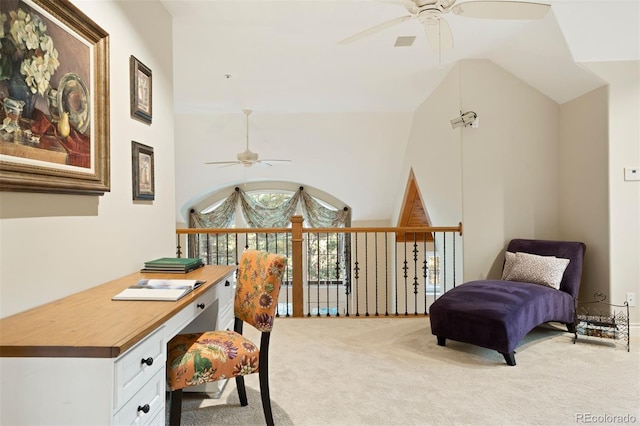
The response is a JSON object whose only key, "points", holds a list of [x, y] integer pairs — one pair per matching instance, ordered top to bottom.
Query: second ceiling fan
{"points": [[438, 32], [247, 158]]}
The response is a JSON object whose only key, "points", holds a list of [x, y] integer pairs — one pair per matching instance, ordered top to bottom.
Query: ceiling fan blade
{"points": [[502, 10], [375, 29], [438, 34], [268, 162], [224, 163]]}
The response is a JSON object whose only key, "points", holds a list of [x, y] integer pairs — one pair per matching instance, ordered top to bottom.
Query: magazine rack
{"points": [[599, 318]]}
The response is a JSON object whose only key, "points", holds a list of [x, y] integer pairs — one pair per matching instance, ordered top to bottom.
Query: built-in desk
{"points": [[88, 360]]}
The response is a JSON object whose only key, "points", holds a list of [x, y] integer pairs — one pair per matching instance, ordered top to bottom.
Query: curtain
{"points": [[315, 214], [258, 215], [319, 216], [220, 217]]}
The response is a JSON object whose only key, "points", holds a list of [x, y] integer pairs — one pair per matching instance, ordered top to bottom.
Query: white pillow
{"points": [[509, 260], [531, 268]]}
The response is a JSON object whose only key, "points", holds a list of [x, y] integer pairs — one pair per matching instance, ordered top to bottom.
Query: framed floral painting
{"points": [[54, 91], [141, 94], [143, 169]]}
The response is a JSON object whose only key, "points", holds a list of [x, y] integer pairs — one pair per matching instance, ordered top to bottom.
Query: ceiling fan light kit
{"points": [[437, 30], [247, 158]]}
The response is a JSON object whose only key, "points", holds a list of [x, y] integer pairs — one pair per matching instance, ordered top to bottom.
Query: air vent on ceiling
{"points": [[404, 41]]}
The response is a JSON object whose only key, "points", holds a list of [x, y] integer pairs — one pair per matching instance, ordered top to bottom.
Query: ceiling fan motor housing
{"points": [[247, 156]]}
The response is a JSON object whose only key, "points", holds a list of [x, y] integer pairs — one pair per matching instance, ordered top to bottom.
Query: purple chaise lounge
{"points": [[497, 314]]}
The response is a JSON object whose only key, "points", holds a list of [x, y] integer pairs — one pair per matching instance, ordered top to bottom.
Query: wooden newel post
{"points": [[296, 242]]}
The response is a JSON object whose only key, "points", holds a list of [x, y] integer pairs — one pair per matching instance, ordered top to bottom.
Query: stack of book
{"points": [[174, 265]]}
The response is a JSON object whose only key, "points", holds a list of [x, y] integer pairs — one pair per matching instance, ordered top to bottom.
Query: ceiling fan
{"points": [[431, 14], [247, 158]]}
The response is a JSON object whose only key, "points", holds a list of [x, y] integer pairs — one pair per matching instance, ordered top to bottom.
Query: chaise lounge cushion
{"points": [[497, 314]]}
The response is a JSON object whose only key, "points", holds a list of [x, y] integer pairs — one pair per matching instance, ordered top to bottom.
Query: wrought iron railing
{"points": [[373, 271]]}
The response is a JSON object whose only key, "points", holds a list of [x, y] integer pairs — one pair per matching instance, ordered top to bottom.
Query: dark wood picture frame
{"points": [[141, 91], [40, 157], [143, 171]]}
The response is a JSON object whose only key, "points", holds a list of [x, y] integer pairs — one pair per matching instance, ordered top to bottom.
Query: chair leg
{"points": [[441, 341], [510, 358], [263, 375], [242, 391], [264, 394], [175, 407]]}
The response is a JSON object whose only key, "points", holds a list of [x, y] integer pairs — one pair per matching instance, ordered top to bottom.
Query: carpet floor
{"points": [[390, 371]]}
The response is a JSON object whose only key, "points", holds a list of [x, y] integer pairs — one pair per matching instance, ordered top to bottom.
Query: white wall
{"points": [[434, 154], [355, 157], [510, 165], [535, 169], [501, 179], [584, 183], [624, 196], [54, 245]]}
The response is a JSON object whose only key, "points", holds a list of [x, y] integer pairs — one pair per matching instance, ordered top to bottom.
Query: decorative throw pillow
{"points": [[509, 260], [531, 268]]}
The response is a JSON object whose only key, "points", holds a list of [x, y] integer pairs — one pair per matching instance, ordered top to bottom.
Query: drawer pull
{"points": [[227, 283], [200, 305], [148, 361], [144, 408]]}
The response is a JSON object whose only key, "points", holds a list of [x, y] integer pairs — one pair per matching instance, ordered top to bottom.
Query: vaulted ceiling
{"points": [[284, 56]]}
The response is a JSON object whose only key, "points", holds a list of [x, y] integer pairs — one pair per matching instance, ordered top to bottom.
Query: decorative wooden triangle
{"points": [[413, 213]]}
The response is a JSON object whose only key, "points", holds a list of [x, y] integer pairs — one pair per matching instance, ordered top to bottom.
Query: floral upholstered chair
{"points": [[197, 358]]}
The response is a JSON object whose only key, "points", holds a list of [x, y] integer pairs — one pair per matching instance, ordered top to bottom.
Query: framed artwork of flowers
{"points": [[141, 95], [54, 96], [144, 187]]}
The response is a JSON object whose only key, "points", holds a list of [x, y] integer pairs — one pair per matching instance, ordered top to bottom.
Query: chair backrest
{"points": [[574, 251], [257, 288]]}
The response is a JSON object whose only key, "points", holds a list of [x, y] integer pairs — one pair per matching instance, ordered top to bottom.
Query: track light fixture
{"points": [[465, 119]]}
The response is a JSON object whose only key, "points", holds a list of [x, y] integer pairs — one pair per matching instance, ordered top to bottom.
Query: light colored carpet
{"points": [[390, 371]]}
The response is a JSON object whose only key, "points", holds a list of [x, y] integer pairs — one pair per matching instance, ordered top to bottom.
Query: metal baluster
{"points": [[318, 255], [454, 259], [328, 260], [444, 260], [376, 264], [405, 268], [347, 269], [425, 270], [433, 272], [338, 274], [356, 274], [366, 274], [386, 274], [415, 274], [395, 278]]}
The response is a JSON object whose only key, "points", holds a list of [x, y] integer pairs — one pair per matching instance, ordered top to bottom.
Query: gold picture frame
{"points": [[141, 91], [62, 144], [143, 171]]}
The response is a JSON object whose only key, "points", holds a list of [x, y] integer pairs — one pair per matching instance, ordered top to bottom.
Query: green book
{"points": [[177, 263]]}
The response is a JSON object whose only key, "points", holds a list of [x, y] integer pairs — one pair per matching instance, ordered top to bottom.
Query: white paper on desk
{"points": [[158, 289]]}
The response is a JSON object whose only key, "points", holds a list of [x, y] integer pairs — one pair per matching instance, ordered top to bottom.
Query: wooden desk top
{"points": [[89, 324]]}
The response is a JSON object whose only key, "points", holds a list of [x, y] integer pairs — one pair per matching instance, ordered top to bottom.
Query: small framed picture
{"points": [[141, 91], [143, 171]]}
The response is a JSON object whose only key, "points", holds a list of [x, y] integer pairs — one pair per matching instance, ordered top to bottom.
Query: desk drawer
{"points": [[203, 303], [225, 305], [136, 366], [150, 399]]}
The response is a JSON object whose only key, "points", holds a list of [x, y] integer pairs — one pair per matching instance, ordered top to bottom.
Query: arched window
{"points": [[325, 253]]}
